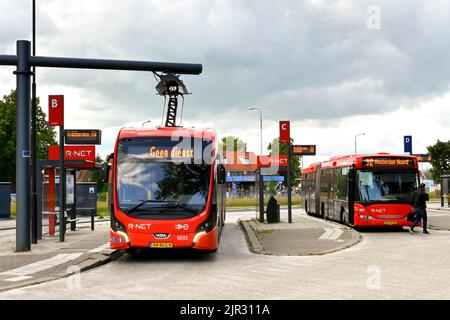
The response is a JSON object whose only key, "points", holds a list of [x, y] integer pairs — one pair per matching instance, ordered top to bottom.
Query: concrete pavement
{"points": [[304, 236], [51, 259], [384, 265]]}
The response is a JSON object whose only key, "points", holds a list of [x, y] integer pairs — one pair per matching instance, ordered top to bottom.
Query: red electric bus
{"points": [[167, 187], [362, 190]]}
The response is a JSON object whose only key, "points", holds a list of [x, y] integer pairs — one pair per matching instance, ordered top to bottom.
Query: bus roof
{"points": [[205, 133], [357, 161]]}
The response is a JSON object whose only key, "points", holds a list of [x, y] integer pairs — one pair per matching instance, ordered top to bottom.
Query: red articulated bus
{"points": [[167, 187], [362, 190]]}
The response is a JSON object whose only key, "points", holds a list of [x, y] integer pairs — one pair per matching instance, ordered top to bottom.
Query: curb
{"points": [[255, 245], [90, 262]]}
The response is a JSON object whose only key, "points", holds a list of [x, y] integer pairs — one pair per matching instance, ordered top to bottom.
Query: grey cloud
{"points": [[298, 60]]}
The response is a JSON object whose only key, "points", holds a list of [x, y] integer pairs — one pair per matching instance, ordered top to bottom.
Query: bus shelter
{"points": [[269, 182], [48, 199]]}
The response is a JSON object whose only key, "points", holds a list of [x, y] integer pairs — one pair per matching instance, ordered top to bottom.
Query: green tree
{"points": [[45, 136], [232, 143], [440, 159], [295, 161]]}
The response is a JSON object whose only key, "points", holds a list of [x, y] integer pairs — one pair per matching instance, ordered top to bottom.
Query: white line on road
{"points": [[331, 234], [326, 235], [100, 248], [24, 272]]}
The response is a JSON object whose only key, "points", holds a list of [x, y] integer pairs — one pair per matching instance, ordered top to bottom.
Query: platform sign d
{"points": [[56, 110], [407, 142]]}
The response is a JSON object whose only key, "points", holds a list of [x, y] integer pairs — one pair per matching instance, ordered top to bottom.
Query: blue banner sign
{"points": [[407, 142]]}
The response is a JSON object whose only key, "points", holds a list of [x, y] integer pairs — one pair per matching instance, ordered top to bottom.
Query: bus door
{"points": [[317, 190], [331, 195], [351, 195]]}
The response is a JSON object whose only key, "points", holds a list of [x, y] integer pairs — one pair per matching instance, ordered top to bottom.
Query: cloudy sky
{"points": [[334, 68]]}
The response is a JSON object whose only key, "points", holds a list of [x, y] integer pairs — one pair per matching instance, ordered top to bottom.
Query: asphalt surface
{"points": [[384, 265]]}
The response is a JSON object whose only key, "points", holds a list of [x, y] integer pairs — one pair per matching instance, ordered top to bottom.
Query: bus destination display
{"points": [[171, 153], [388, 163]]}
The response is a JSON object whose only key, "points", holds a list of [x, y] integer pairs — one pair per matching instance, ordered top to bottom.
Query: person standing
{"points": [[420, 198]]}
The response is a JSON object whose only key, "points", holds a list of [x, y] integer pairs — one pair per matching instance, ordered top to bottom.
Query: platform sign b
{"points": [[56, 110], [407, 142]]}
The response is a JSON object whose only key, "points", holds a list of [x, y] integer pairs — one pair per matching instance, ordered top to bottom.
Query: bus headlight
{"points": [[367, 217], [124, 235], [198, 235]]}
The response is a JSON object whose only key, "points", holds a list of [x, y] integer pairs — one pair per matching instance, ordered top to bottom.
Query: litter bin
{"points": [[5, 200], [272, 211]]}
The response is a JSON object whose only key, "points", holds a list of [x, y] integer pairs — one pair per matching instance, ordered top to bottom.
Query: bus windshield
{"points": [[158, 177], [386, 186]]}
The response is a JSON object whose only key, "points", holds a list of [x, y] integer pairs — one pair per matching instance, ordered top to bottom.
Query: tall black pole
{"points": [[23, 151], [289, 184], [62, 185], [261, 195], [34, 224]]}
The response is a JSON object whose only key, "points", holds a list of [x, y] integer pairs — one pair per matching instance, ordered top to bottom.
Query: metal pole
{"points": [[260, 127], [39, 178], [289, 184], [62, 185], [23, 187], [261, 196], [73, 215], [92, 219], [34, 223]]}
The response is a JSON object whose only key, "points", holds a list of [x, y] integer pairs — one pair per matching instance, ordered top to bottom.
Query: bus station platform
{"points": [[304, 236], [50, 259]]}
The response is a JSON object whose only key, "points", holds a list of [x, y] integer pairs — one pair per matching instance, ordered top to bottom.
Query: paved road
{"points": [[384, 265]]}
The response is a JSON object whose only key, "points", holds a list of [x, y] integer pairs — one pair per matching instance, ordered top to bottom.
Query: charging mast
{"points": [[24, 61]]}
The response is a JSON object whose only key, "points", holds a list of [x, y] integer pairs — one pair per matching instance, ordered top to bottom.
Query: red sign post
{"points": [[55, 110], [56, 118], [285, 131], [285, 136], [76, 152], [272, 161]]}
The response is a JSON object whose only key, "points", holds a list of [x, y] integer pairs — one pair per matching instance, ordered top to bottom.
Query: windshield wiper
{"points": [[144, 202], [181, 206]]}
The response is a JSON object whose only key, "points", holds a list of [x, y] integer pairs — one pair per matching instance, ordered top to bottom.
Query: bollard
{"points": [[92, 219]]}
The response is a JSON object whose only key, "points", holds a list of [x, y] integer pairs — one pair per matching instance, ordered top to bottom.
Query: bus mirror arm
{"points": [[105, 172], [221, 174]]}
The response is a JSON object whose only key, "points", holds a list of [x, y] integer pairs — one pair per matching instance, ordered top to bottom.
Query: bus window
{"points": [[386, 186]]}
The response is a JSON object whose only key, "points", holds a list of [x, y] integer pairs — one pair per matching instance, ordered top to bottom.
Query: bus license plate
{"points": [[390, 223], [161, 245]]}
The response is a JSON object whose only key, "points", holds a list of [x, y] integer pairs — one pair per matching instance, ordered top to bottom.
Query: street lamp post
{"points": [[260, 124], [359, 134]]}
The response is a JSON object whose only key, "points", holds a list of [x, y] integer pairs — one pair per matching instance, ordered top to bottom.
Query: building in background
{"points": [[241, 170]]}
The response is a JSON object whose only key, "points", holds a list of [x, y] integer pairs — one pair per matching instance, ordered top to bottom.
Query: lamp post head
{"points": [[145, 122]]}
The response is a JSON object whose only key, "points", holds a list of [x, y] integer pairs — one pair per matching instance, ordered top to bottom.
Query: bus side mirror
{"points": [[105, 172], [221, 174]]}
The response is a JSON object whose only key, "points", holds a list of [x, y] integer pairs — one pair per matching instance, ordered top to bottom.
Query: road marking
{"points": [[328, 232], [331, 234], [100, 248], [25, 272], [19, 278]]}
